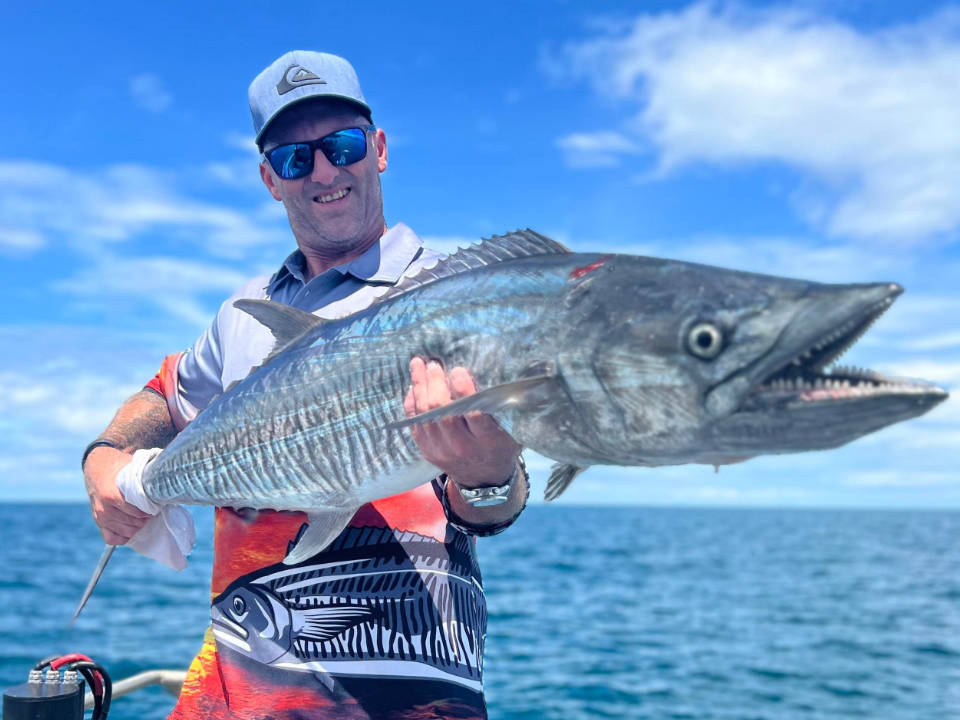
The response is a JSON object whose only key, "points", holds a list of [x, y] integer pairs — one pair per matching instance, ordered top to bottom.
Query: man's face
{"points": [[335, 212]]}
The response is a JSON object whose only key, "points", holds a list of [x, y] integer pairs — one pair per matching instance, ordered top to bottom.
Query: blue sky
{"points": [[817, 140]]}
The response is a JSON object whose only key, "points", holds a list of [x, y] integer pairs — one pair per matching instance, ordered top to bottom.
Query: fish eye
{"points": [[705, 340], [239, 606]]}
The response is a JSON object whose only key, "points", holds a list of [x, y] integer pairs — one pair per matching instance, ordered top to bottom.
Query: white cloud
{"points": [[149, 93], [875, 118], [244, 143], [604, 148], [43, 204], [18, 240], [788, 257], [171, 284], [940, 341], [942, 372], [79, 404], [902, 478], [728, 495]]}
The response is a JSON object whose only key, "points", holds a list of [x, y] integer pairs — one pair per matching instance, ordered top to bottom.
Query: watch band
{"points": [[483, 529]]}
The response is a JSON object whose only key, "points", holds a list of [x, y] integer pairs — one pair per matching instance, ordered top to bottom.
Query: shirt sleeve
{"points": [[199, 374]]}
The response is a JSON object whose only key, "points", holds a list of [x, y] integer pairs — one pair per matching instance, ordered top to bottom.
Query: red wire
{"points": [[76, 657], [64, 659]]}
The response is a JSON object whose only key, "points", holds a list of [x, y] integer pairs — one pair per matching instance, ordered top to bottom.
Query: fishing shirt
{"points": [[389, 620]]}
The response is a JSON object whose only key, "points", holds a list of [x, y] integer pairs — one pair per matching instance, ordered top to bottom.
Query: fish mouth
{"points": [[810, 376], [218, 619]]}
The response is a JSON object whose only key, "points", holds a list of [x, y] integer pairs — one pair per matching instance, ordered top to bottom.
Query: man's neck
{"points": [[316, 263]]}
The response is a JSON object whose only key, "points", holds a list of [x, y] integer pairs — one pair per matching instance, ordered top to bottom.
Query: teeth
{"points": [[333, 196]]}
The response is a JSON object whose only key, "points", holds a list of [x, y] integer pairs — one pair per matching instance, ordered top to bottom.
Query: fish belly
{"points": [[307, 432]]}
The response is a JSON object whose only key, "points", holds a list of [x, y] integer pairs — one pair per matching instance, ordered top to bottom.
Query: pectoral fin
{"points": [[491, 400], [560, 479], [322, 528], [325, 623]]}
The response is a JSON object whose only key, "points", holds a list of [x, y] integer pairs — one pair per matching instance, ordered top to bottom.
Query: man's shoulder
{"points": [[256, 288]]}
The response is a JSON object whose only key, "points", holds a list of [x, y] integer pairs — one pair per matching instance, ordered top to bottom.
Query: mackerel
{"points": [[586, 358]]}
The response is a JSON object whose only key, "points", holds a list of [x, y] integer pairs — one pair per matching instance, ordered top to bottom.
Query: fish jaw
{"points": [[808, 327], [795, 400], [821, 414]]}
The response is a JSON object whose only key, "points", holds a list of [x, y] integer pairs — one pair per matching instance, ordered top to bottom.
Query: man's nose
{"points": [[324, 172]]}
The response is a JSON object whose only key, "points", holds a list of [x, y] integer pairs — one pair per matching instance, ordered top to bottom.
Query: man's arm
{"points": [[143, 421], [473, 450]]}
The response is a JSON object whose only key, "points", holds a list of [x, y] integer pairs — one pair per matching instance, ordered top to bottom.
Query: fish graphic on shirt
{"points": [[384, 608]]}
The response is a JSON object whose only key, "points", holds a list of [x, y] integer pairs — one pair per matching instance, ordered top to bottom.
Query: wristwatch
{"points": [[490, 495], [483, 529]]}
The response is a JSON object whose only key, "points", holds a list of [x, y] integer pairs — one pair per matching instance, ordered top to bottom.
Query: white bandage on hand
{"points": [[169, 535]]}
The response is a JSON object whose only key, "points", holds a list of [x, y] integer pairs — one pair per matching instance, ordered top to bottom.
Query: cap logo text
{"points": [[296, 76]]}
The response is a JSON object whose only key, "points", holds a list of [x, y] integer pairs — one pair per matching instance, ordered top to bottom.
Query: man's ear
{"points": [[380, 141], [266, 174]]}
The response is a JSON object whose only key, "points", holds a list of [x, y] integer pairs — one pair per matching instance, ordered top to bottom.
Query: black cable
{"points": [[43, 663], [85, 667], [97, 698]]}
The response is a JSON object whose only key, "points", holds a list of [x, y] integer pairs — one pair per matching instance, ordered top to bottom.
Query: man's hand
{"points": [[471, 449], [117, 519]]}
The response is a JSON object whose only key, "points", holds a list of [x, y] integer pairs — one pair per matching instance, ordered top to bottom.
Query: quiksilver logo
{"points": [[295, 76]]}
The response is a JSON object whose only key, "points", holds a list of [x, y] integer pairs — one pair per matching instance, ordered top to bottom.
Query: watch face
{"points": [[486, 496]]}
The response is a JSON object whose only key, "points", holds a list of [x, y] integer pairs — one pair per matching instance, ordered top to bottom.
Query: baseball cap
{"points": [[300, 75]]}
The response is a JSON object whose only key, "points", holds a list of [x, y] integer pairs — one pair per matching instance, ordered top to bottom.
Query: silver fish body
{"points": [[585, 358]]}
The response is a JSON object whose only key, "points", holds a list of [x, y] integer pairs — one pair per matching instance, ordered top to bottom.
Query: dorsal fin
{"points": [[489, 251], [288, 325]]}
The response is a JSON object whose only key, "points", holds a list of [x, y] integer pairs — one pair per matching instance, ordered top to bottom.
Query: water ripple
{"points": [[594, 613]]}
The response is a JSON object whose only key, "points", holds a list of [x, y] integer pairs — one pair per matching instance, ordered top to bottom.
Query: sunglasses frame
{"points": [[315, 145]]}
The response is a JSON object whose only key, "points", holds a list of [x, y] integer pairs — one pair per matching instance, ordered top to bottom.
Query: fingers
{"points": [[418, 376], [461, 383], [480, 425], [130, 512], [117, 519], [117, 527], [111, 538]]}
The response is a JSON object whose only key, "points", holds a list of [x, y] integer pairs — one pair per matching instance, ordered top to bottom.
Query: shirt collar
{"points": [[384, 262]]}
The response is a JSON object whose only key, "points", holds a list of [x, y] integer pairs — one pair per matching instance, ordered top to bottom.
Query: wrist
{"points": [[99, 442], [485, 521]]}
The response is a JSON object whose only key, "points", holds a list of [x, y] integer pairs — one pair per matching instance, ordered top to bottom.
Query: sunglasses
{"points": [[343, 147]]}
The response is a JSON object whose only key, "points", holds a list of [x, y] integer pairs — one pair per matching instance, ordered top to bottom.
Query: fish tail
{"points": [[97, 572]]}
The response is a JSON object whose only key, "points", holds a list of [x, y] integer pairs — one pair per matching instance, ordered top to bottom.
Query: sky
{"points": [[815, 139]]}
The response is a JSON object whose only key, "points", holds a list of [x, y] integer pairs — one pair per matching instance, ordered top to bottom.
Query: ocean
{"points": [[593, 612]]}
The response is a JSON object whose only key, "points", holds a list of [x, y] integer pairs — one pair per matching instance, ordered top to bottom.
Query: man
{"points": [[389, 620]]}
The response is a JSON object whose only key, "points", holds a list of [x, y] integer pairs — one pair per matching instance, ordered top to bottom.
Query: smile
{"points": [[332, 196]]}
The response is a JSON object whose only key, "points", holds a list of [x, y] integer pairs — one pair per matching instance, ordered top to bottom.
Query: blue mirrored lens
{"points": [[344, 147], [292, 161]]}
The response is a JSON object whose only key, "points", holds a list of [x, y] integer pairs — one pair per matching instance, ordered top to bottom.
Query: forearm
{"points": [[143, 421]]}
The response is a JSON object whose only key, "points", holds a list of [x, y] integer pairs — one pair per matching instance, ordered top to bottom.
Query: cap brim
{"points": [[318, 96]]}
